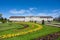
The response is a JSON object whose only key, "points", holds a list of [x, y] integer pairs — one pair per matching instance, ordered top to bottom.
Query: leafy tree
{"points": [[0, 15], [1, 18], [57, 19], [4, 20], [43, 22]]}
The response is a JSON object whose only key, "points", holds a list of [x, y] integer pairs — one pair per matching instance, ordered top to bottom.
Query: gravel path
{"points": [[53, 25]]}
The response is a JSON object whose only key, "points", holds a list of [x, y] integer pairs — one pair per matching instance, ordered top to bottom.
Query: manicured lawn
{"points": [[6, 26], [15, 28], [42, 32], [58, 38]]}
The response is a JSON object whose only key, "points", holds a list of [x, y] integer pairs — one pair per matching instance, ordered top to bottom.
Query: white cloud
{"points": [[32, 9], [54, 10], [57, 10], [22, 11], [17, 12], [30, 12], [54, 13], [42, 14], [48, 14]]}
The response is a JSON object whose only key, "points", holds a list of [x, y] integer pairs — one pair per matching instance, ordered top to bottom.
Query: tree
{"points": [[0, 15], [1, 19], [57, 19], [4, 20], [43, 22]]}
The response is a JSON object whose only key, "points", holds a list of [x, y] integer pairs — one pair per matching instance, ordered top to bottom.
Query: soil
{"points": [[25, 25], [53, 36]]}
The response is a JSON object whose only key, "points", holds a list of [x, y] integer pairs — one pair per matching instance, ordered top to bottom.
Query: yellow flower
{"points": [[35, 29], [30, 30], [26, 32], [22, 33], [17, 34], [9, 35], [12, 35], [0, 36], [4, 36]]}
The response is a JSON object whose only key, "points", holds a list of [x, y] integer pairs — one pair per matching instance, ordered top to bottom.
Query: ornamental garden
{"points": [[25, 30]]}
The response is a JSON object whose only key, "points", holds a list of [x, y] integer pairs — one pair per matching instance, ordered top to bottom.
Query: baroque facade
{"points": [[30, 18]]}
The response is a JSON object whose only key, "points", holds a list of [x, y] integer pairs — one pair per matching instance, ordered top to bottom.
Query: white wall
{"points": [[16, 19], [27, 19], [31, 19]]}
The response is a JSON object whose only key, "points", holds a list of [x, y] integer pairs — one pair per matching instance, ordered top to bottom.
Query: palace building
{"points": [[30, 18]]}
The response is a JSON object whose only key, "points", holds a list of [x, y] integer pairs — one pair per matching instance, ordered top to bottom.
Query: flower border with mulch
{"points": [[21, 33], [49, 36]]}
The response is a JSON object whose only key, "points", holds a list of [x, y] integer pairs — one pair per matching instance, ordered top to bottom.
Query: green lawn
{"points": [[7, 28], [44, 31], [58, 38]]}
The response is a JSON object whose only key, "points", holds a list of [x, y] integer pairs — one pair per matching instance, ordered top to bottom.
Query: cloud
{"points": [[32, 9], [22, 11], [17, 12], [32, 12], [56, 12], [53, 13], [42, 14], [48, 14]]}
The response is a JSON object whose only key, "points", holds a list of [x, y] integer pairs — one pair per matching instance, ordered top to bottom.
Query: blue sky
{"points": [[30, 8]]}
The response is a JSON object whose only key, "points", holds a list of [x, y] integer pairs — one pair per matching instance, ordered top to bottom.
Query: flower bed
{"points": [[21, 33], [49, 36]]}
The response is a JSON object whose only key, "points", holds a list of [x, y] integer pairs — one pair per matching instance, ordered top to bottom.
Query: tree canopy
{"points": [[0, 15], [57, 19]]}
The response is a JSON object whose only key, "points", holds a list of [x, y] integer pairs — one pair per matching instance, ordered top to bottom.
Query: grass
{"points": [[7, 28], [14, 28], [43, 32], [58, 38]]}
